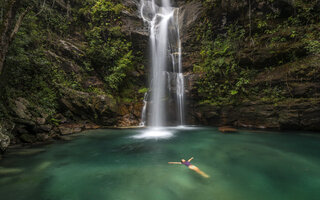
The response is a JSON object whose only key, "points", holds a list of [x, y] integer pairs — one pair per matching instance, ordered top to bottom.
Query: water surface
{"points": [[125, 165]]}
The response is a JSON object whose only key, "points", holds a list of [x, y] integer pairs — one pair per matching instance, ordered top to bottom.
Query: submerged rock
{"points": [[226, 129], [26, 152], [43, 166], [7, 171]]}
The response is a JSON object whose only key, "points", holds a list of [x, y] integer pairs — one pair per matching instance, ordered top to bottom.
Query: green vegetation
{"points": [[77, 45], [109, 52], [241, 60], [30, 70], [222, 78]]}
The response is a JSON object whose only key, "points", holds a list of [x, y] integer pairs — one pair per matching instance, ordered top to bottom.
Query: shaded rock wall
{"points": [[272, 65], [296, 115]]}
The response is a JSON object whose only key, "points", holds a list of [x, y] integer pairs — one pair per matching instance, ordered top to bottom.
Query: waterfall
{"points": [[166, 77], [144, 110]]}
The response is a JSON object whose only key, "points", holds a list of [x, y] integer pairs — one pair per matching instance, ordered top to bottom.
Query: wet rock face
{"points": [[189, 13], [133, 25], [100, 109], [295, 113], [130, 114], [291, 116], [28, 122], [31, 124]]}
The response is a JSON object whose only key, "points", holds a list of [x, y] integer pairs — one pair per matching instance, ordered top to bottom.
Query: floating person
{"points": [[190, 166]]}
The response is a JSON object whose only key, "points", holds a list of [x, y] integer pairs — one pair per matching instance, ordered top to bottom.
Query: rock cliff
{"points": [[58, 82], [282, 83]]}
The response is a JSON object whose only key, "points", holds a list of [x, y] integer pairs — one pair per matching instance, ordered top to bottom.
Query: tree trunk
{"points": [[8, 29], [4, 42], [3, 52]]}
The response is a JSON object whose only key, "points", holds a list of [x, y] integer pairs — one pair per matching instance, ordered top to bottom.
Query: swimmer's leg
{"points": [[196, 169]]}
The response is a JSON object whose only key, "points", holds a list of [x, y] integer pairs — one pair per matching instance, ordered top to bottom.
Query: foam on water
{"points": [[154, 133]]}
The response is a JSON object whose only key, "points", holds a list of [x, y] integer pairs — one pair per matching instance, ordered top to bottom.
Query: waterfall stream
{"points": [[166, 102]]}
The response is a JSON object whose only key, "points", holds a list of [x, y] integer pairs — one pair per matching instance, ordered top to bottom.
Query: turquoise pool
{"points": [[132, 165]]}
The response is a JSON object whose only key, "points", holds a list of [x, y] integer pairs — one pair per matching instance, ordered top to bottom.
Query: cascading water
{"points": [[166, 81], [144, 110]]}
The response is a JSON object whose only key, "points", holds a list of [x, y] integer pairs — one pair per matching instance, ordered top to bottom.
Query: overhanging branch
{"points": [[18, 23]]}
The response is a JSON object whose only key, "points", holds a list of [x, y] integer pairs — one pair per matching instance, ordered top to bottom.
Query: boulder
{"points": [[20, 108], [100, 109], [62, 119], [40, 120], [92, 126], [45, 128], [67, 129], [4, 136], [4, 141]]}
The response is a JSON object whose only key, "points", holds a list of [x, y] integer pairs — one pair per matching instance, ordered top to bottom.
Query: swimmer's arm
{"points": [[190, 159], [177, 163]]}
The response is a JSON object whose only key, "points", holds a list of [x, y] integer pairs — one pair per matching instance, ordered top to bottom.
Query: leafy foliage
{"points": [[250, 44], [108, 50], [37, 61], [30, 67], [222, 78]]}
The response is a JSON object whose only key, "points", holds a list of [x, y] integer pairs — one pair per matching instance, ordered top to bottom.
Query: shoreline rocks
{"points": [[296, 115], [227, 129], [5, 130], [4, 141]]}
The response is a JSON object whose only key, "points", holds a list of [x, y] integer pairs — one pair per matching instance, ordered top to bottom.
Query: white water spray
{"points": [[166, 79]]}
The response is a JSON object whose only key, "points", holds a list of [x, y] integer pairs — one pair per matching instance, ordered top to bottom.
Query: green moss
{"points": [[143, 90]]}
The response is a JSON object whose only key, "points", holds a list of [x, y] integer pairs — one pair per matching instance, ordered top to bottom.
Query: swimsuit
{"points": [[186, 163]]}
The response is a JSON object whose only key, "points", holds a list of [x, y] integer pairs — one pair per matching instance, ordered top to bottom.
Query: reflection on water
{"points": [[116, 164]]}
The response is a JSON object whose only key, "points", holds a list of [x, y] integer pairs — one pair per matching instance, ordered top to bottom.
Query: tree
{"points": [[10, 24]]}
